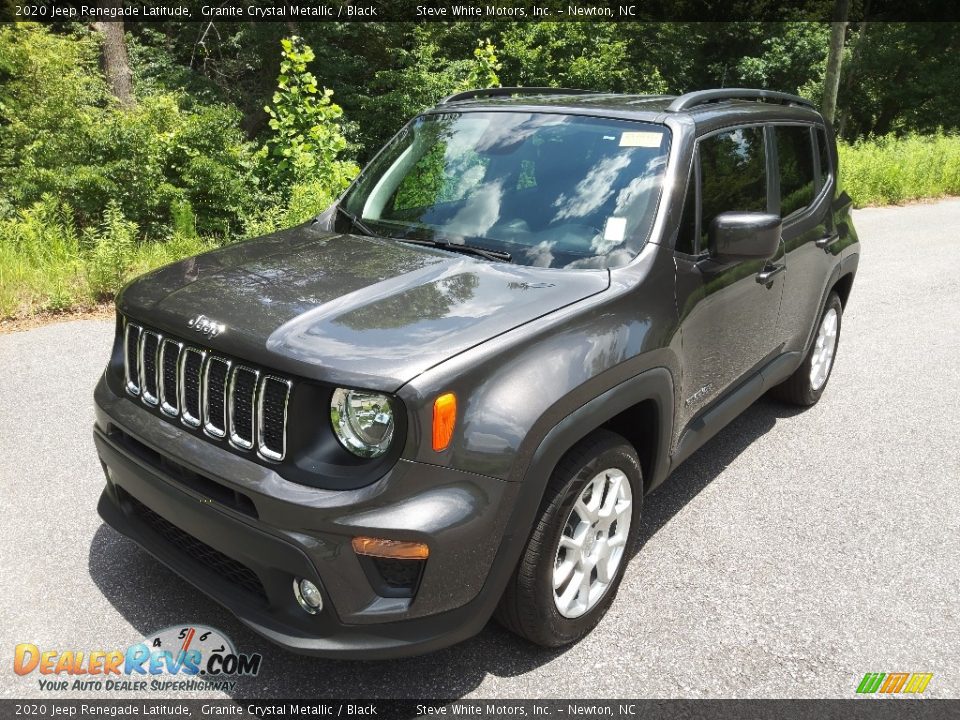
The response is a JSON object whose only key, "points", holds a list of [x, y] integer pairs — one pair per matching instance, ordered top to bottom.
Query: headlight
{"points": [[363, 421]]}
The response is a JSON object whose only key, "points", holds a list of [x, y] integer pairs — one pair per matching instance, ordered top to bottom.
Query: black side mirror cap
{"points": [[744, 236]]}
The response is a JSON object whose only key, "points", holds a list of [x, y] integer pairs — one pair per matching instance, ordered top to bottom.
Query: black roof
{"points": [[706, 108]]}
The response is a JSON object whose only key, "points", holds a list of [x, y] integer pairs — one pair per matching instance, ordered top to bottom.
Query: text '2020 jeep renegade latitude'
{"points": [[447, 396]]}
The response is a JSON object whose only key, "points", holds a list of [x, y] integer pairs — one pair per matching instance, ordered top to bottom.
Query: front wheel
{"points": [[807, 384], [574, 559]]}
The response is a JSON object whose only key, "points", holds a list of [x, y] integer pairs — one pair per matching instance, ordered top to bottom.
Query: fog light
{"points": [[308, 596]]}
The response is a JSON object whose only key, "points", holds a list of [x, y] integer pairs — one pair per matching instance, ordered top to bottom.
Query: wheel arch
{"points": [[842, 287], [651, 391], [630, 399], [640, 409], [640, 426]]}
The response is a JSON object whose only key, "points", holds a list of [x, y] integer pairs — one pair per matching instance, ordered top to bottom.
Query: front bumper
{"points": [[241, 533]]}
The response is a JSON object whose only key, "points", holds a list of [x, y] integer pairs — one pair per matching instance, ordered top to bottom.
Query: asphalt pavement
{"points": [[792, 554]]}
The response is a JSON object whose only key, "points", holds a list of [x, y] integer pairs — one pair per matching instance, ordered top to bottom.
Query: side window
{"points": [[824, 149], [795, 156], [733, 175], [687, 236]]}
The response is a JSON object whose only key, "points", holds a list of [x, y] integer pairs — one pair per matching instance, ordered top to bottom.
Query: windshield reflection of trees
{"points": [[537, 185]]}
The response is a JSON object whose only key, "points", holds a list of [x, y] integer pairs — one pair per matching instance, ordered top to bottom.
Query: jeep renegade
{"points": [[446, 397]]}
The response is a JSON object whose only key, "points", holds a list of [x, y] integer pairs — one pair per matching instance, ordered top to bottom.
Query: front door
{"points": [[728, 310]]}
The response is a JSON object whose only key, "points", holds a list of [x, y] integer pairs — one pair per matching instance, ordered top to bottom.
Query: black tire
{"points": [[798, 389], [527, 607]]}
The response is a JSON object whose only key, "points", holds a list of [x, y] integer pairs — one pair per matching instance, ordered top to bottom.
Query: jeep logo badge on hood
{"points": [[206, 326]]}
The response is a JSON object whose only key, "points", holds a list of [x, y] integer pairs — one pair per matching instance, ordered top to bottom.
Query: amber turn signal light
{"points": [[444, 420], [395, 549]]}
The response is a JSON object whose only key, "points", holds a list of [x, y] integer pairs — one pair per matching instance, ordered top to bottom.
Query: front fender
{"points": [[654, 384], [514, 389]]}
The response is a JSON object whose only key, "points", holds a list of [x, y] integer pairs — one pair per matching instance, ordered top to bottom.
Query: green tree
{"points": [[595, 56], [483, 72], [422, 76], [831, 80], [905, 80], [61, 134], [307, 138]]}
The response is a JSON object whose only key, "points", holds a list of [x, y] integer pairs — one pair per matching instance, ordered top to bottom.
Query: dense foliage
{"points": [[240, 128], [64, 135], [897, 169]]}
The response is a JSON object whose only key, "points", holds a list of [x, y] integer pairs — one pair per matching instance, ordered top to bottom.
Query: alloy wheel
{"points": [[824, 350], [592, 543]]}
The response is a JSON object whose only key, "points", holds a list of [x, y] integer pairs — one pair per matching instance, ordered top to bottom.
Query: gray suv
{"points": [[446, 397]]}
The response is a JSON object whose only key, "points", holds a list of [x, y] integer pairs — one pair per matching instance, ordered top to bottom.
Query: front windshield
{"points": [[551, 190]]}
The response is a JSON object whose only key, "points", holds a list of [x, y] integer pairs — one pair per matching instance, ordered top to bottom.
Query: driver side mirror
{"points": [[744, 236]]}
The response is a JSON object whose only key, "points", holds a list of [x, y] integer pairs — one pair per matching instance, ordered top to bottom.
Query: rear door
{"points": [[805, 182], [728, 313]]}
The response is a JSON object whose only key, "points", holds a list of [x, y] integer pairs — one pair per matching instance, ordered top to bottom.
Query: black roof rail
{"points": [[508, 91], [700, 97]]}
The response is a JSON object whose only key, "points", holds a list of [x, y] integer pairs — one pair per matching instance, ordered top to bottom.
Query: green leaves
{"points": [[483, 72], [61, 137], [307, 138], [889, 169], [111, 247]]}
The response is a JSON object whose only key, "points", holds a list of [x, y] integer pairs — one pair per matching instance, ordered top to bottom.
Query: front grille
{"points": [[149, 347], [131, 355], [170, 376], [190, 384], [215, 396], [225, 399], [242, 399], [272, 410], [226, 567]]}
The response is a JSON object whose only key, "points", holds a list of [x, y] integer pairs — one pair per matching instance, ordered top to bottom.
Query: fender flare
{"points": [[846, 266], [655, 384]]}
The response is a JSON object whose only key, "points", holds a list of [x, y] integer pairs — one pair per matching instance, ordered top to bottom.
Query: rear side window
{"points": [[824, 148], [795, 155], [733, 175]]}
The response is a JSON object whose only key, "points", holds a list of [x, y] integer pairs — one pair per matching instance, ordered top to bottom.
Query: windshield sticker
{"points": [[640, 139], [615, 229]]}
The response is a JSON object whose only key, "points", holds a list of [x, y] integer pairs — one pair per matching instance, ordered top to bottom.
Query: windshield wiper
{"points": [[357, 223], [486, 253]]}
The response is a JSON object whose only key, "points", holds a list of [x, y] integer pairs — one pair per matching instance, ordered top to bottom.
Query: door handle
{"points": [[827, 240], [769, 272]]}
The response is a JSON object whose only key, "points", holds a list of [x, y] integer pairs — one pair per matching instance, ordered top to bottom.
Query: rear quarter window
{"points": [[826, 166]]}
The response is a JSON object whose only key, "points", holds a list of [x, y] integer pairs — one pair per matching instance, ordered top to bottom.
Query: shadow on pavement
{"points": [[705, 465], [151, 597]]}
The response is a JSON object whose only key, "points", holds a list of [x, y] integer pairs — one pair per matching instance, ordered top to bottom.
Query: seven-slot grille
{"points": [[227, 399]]}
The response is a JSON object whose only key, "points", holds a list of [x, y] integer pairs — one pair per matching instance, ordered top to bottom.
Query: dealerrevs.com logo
{"points": [[187, 657]]}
